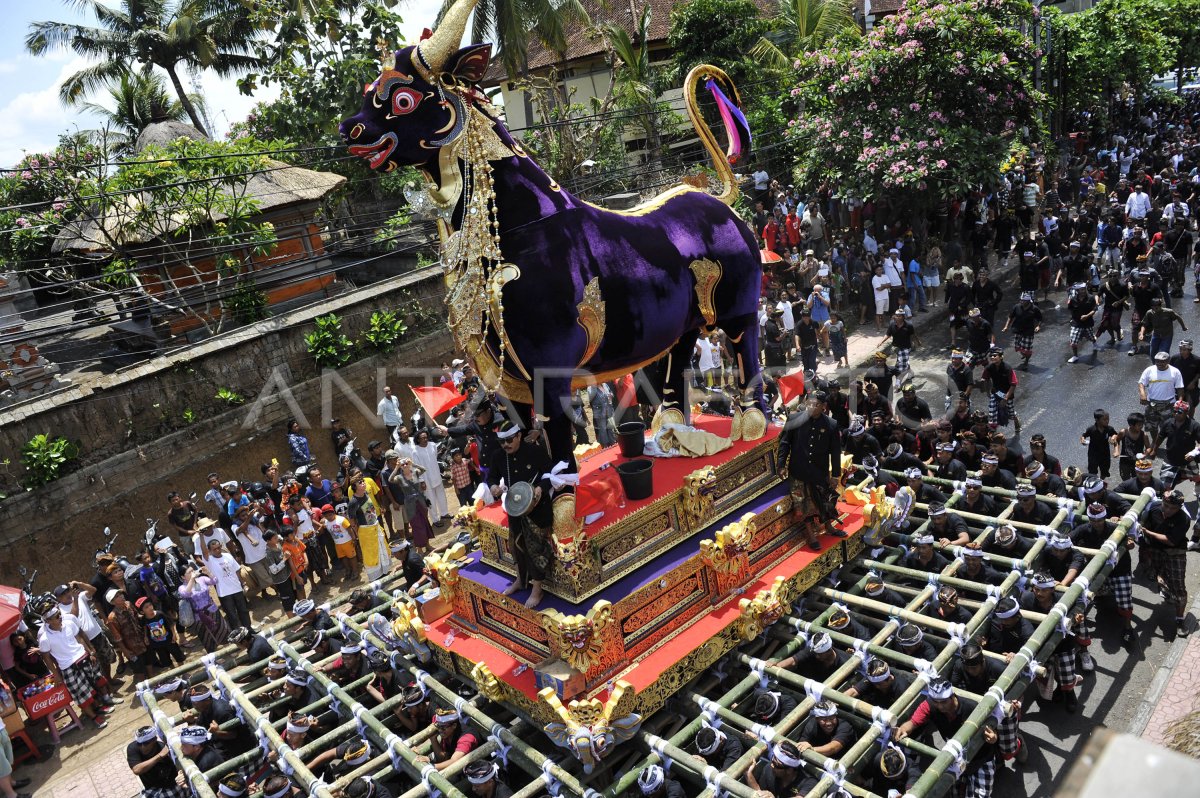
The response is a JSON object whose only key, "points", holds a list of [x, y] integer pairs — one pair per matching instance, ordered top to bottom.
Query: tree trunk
{"points": [[185, 101]]}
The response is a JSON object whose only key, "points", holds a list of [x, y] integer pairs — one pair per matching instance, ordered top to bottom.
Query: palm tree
{"points": [[511, 24], [802, 26], [168, 34], [634, 84], [139, 100]]}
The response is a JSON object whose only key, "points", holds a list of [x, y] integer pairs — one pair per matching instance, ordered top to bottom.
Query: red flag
{"points": [[790, 386], [626, 394], [437, 400]]}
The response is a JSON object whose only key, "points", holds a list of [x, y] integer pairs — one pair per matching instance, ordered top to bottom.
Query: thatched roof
{"points": [[277, 186]]}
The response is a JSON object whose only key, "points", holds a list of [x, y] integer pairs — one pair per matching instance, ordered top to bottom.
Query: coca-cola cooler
{"points": [[47, 702]]}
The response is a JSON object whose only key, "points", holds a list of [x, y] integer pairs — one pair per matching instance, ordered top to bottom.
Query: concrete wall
{"points": [[135, 446]]}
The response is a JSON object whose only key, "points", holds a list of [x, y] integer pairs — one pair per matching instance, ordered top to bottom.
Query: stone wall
{"points": [[135, 445]]}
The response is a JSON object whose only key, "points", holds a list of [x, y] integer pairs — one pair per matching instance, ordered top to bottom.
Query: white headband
{"points": [[508, 433], [923, 540], [1060, 542], [1044, 581], [1016, 608], [820, 643], [879, 678], [296, 679], [170, 687], [939, 690], [201, 695], [825, 709], [445, 716], [297, 728], [144, 734], [194, 735], [718, 738], [363, 757], [784, 758], [486, 777], [651, 779], [230, 792], [280, 793]]}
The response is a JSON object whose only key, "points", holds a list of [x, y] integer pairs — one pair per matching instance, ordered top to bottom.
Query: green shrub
{"points": [[384, 332], [327, 344], [46, 459]]}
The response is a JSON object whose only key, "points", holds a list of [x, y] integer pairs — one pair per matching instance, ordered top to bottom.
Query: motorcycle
{"points": [[35, 605]]}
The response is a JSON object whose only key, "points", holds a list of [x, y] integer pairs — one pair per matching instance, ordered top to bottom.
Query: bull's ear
{"points": [[470, 63]]}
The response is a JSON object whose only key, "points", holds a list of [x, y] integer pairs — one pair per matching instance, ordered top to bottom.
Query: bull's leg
{"points": [[675, 366], [750, 420]]}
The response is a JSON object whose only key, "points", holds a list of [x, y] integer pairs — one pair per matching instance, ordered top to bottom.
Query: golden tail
{"points": [[735, 124]]}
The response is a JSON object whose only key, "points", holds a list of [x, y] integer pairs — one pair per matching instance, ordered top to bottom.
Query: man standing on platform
{"points": [[810, 453], [530, 515]]}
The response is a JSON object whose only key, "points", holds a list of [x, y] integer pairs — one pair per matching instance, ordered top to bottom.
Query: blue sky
{"points": [[31, 116]]}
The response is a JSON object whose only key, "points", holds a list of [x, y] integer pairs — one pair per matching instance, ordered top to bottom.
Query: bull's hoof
{"points": [[672, 415], [754, 424], [735, 429]]}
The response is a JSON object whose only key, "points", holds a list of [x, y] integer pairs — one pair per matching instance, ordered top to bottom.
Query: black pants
{"points": [[531, 550], [286, 592], [237, 610], [160, 656]]}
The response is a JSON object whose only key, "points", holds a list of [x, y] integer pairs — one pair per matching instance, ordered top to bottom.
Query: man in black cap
{"points": [[810, 454], [524, 470], [1164, 527], [151, 762]]}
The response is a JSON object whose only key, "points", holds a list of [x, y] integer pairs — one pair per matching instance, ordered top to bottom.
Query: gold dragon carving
{"points": [[696, 498], [727, 552], [767, 607], [576, 638], [588, 728]]}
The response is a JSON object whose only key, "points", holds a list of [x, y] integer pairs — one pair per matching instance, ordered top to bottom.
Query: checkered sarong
{"points": [[1080, 333], [1023, 344], [902, 356], [999, 412], [1171, 566], [1121, 590], [1064, 667], [81, 680], [1006, 733], [978, 784], [178, 791]]}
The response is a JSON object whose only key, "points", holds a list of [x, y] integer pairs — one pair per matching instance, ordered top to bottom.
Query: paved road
{"points": [[1057, 399]]}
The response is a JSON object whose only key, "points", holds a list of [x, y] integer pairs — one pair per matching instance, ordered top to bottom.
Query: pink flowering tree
{"points": [[925, 107]]}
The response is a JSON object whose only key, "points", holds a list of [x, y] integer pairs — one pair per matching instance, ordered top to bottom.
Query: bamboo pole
{"points": [[166, 731], [967, 737], [532, 760]]}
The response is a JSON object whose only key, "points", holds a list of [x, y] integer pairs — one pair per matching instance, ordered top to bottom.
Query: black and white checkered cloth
{"points": [[1081, 333], [1023, 344], [902, 357], [1000, 412], [1172, 474], [1170, 565], [1121, 590], [1064, 667], [81, 680], [1006, 734], [978, 784]]}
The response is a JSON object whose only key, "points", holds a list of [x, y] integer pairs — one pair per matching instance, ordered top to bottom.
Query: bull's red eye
{"points": [[405, 100]]}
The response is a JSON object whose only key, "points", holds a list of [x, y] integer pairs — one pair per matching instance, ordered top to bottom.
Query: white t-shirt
{"points": [[761, 180], [882, 285], [789, 321], [708, 352], [1160, 385], [389, 410], [304, 525], [339, 528], [250, 538], [200, 540], [224, 570], [81, 611], [63, 645]]}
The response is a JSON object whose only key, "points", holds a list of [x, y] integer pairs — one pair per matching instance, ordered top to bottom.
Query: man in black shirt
{"points": [[1076, 267], [1142, 292], [1114, 295], [986, 296], [958, 302], [1082, 307], [1025, 319], [903, 336], [979, 337], [806, 340], [1189, 366], [880, 373], [960, 381], [1001, 402], [911, 408], [1179, 437], [858, 444], [810, 453], [1008, 458], [518, 461], [945, 466], [991, 475], [1143, 477], [1044, 482], [925, 494], [974, 500], [1029, 510], [183, 518], [947, 526], [1164, 529], [1093, 533], [1007, 543], [923, 557], [976, 567], [877, 590], [1041, 598], [1009, 630], [910, 640], [254, 645], [817, 661], [977, 673], [881, 686], [947, 712], [825, 733], [194, 741], [717, 748], [151, 762], [780, 773], [484, 777]]}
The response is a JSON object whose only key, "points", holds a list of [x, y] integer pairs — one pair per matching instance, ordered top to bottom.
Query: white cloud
{"points": [[31, 121]]}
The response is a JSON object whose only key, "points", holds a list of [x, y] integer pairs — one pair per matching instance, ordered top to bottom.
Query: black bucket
{"points": [[631, 437], [637, 478]]}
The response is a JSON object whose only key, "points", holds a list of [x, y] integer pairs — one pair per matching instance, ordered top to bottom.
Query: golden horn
{"points": [[432, 53]]}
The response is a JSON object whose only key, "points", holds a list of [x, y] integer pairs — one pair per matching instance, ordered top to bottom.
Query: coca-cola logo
{"points": [[52, 700]]}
